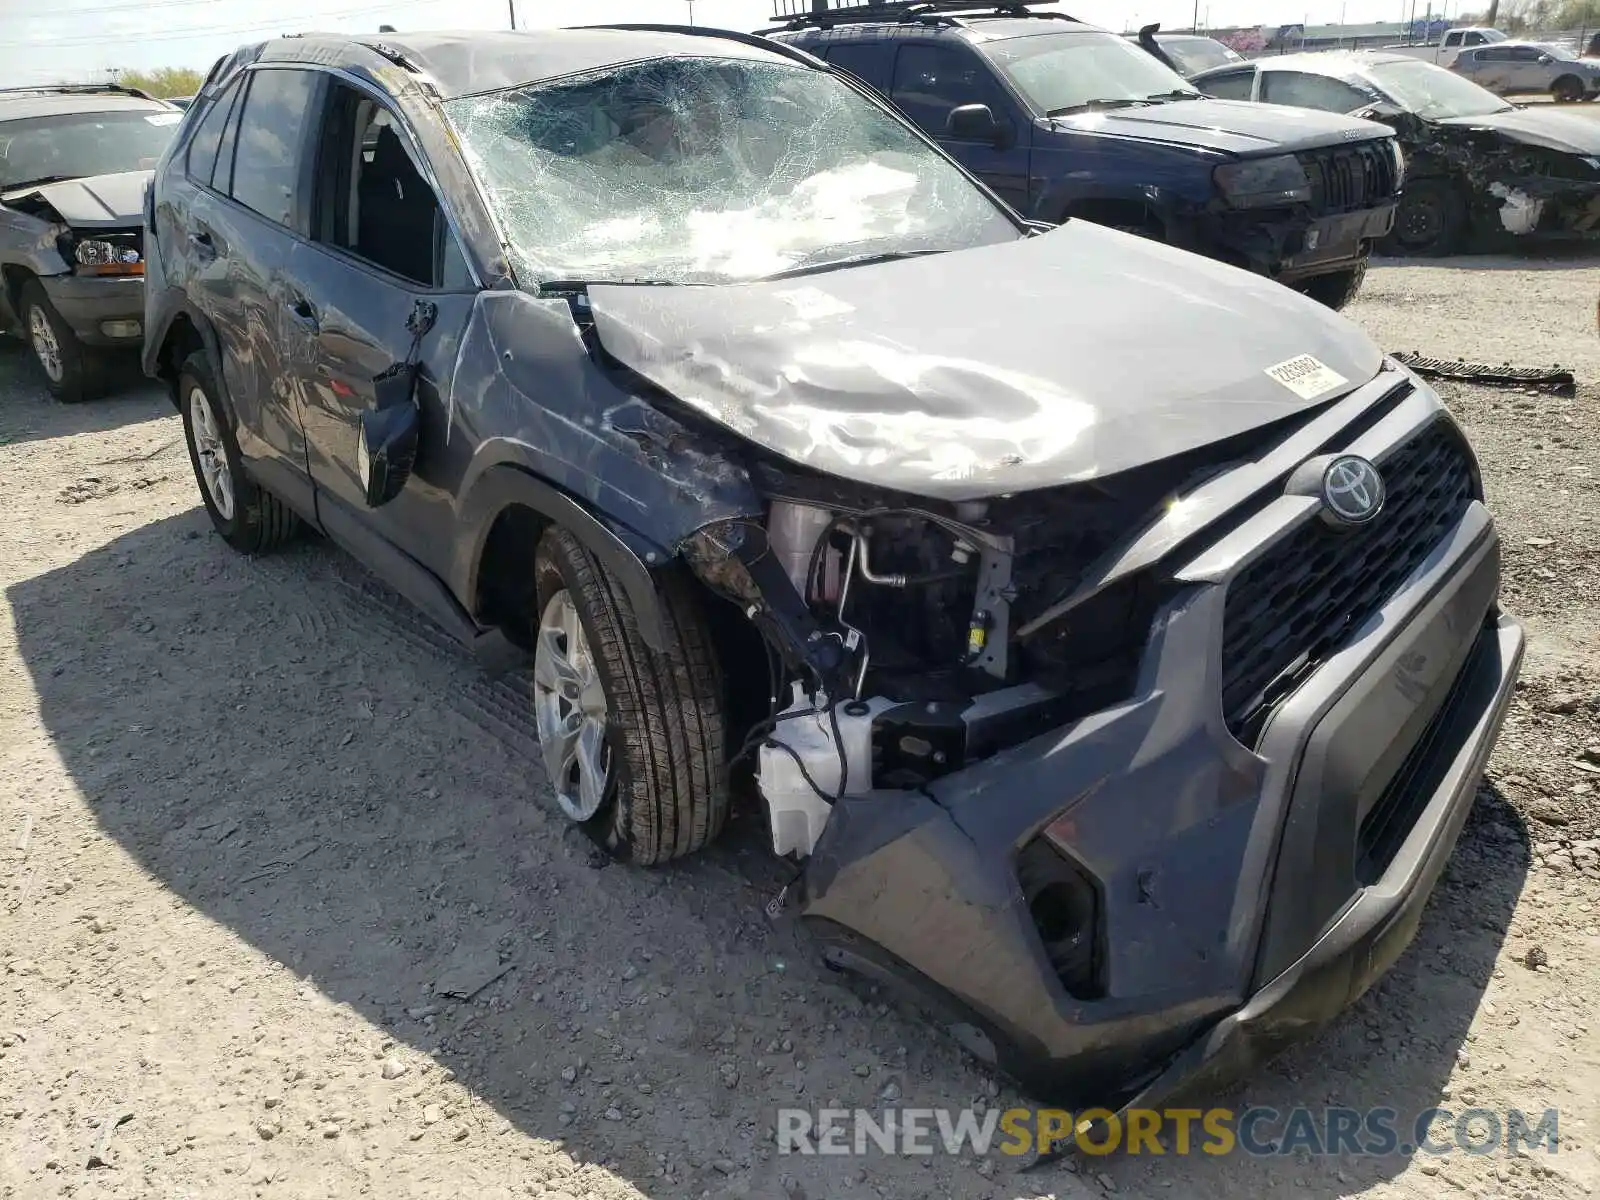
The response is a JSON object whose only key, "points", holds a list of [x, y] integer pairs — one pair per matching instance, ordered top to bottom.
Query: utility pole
{"points": [[511, 8], [691, 13], [1195, 28]]}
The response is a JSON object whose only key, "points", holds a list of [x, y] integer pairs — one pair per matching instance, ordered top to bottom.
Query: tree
{"points": [[163, 81]]}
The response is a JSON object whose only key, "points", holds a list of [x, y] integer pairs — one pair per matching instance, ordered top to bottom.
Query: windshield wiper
{"points": [[1176, 94], [1098, 105], [860, 260], [562, 287]]}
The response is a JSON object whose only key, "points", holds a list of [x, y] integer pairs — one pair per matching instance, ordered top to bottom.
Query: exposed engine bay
{"points": [[932, 635]]}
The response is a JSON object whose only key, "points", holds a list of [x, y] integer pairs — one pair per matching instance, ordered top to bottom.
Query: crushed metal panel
{"points": [[918, 376]]}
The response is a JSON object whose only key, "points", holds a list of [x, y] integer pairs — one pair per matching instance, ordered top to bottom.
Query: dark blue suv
{"points": [[1066, 120]]}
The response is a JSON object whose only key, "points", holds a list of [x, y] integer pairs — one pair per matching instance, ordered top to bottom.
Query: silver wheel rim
{"points": [[45, 347], [208, 452], [570, 710]]}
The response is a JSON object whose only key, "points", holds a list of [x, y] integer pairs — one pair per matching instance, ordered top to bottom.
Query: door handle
{"points": [[200, 239]]}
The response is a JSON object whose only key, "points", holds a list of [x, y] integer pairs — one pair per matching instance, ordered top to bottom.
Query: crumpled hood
{"points": [[1231, 126], [1542, 126], [95, 202], [1038, 362]]}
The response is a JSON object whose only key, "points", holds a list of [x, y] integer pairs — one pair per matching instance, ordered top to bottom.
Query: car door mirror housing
{"points": [[1546, 59], [974, 123], [389, 433]]}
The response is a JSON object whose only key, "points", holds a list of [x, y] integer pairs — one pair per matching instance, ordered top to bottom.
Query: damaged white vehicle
{"points": [[1110, 635]]}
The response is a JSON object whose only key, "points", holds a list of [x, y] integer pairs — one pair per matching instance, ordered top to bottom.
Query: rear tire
{"points": [[1567, 90], [1431, 220], [1337, 288], [72, 371], [250, 519], [662, 788]]}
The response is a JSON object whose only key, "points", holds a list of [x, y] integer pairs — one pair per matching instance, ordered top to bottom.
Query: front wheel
{"points": [[1567, 90], [1431, 219], [1337, 288], [72, 371], [633, 738]]}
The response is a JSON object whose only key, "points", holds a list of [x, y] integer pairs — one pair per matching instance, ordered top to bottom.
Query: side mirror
{"points": [[1546, 59], [974, 123], [389, 433]]}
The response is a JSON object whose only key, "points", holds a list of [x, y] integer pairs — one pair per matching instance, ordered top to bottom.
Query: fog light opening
{"points": [[121, 329]]}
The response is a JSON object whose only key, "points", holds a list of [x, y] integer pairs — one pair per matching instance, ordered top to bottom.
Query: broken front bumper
{"points": [[1290, 246], [106, 311], [1244, 894]]}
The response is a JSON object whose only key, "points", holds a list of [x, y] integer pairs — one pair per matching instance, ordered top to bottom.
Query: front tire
{"points": [[1567, 90], [1431, 220], [1337, 288], [72, 371], [250, 519], [633, 739]]}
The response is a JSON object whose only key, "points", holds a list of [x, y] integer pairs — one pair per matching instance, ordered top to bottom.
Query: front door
{"points": [[930, 81], [379, 245]]}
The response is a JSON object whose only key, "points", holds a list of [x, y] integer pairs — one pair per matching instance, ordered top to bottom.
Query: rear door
{"points": [[932, 80], [248, 166], [377, 245]]}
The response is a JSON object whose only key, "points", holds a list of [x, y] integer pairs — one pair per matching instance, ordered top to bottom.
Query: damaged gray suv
{"points": [[1110, 635]]}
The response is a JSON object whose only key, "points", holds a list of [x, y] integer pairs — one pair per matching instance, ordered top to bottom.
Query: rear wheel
{"points": [[1567, 90], [1431, 219], [1337, 288], [72, 371], [249, 519], [633, 739]]}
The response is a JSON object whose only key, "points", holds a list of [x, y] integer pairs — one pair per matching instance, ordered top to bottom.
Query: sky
{"points": [[44, 41]]}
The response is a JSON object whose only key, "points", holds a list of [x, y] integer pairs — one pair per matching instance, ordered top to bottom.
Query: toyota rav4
{"points": [[1110, 635]]}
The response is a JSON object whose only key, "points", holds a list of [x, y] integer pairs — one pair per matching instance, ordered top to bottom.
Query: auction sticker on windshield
{"points": [[1306, 377]]}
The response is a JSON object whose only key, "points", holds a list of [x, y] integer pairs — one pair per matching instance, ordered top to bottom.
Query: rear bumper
{"points": [[89, 305], [1246, 893]]}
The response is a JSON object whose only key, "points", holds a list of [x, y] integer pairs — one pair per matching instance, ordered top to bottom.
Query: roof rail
{"points": [[824, 14], [78, 89]]}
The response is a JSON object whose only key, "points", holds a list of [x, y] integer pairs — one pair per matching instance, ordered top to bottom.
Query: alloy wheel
{"points": [[209, 452], [570, 710]]}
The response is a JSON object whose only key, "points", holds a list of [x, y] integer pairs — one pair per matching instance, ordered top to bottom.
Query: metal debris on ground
{"points": [[1554, 380]]}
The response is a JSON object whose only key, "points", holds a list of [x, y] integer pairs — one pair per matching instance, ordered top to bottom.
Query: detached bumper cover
{"points": [[85, 303], [1246, 894]]}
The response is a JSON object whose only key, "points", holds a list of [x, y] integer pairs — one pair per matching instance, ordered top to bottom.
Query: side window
{"points": [[1525, 53], [865, 60], [929, 81], [1229, 85], [1312, 91], [202, 152], [266, 172], [222, 176], [372, 199]]}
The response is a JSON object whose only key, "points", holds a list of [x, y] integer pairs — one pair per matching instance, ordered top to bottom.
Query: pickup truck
{"points": [[1453, 43]]}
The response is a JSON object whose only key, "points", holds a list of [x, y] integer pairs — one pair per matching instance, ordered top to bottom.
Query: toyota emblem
{"points": [[1352, 490]]}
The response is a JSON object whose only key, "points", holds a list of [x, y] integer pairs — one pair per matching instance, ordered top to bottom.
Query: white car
{"points": [[1521, 68]]}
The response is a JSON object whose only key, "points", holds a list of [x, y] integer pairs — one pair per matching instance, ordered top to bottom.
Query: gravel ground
{"points": [[259, 821]]}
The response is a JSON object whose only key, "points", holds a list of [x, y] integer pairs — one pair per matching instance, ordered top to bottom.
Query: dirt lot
{"points": [[258, 818]]}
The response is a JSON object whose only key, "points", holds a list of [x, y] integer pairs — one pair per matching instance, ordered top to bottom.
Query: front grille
{"points": [[1346, 178], [1300, 601]]}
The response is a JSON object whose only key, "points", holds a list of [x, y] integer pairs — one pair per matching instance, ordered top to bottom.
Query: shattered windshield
{"points": [[1069, 72], [1434, 92], [82, 144], [707, 170]]}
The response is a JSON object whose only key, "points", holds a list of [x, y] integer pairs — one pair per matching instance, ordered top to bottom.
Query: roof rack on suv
{"points": [[824, 14], [77, 89]]}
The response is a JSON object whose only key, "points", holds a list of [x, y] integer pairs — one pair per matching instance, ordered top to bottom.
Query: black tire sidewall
{"points": [[1567, 90], [1451, 211], [75, 383], [237, 530], [553, 572]]}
